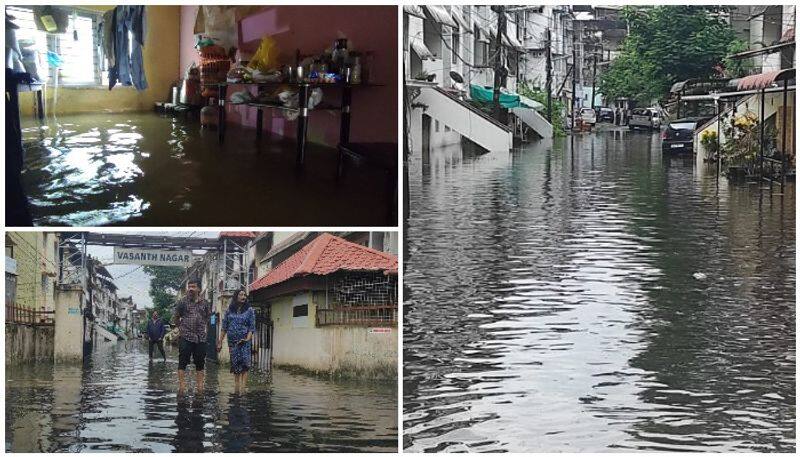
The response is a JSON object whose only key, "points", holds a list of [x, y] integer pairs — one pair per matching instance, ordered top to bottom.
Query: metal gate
{"points": [[211, 340], [262, 359]]}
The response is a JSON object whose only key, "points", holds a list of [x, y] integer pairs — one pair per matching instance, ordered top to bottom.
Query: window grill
{"points": [[81, 62], [365, 299]]}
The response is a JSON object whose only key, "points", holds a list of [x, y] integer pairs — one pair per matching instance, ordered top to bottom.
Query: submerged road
{"points": [[594, 295], [118, 401]]}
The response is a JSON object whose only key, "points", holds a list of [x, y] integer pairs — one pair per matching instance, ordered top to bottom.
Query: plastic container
{"points": [[208, 115]]}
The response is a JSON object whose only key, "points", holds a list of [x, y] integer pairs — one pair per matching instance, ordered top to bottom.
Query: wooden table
{"points": [[304, 90]]}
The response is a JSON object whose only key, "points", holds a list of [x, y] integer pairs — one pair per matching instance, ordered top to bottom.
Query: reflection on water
{"points": [[146, 169], [596, 297], [120, 402]]}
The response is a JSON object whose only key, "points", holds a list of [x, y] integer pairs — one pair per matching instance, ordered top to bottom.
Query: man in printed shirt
{"points": [[191, 315]]}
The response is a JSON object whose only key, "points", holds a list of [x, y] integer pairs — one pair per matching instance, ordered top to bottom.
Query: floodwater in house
{"points": [[153, 170], [595, 295], [118, 401]]}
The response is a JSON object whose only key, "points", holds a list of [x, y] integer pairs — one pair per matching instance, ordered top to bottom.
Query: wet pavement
{"points": [[152, 170], [594, 295], [120, 402]]}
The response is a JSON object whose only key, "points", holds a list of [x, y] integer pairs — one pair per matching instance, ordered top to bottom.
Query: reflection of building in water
{"points": [[333, 305]]}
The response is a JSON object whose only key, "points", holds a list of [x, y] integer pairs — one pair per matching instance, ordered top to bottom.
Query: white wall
{"points": [[329, 348]]}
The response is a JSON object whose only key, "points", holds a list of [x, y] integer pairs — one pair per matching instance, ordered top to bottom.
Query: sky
{"points": [[131, 279]]}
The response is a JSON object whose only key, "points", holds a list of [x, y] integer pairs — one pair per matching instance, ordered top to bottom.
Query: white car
{"points": [[588, 116], [645, 118]]}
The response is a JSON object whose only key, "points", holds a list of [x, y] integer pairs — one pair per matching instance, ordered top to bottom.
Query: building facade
{"points": [[331, 306]]}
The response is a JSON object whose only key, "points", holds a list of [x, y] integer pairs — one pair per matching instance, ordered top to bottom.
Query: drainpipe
{"points": [[761, 139], [719, 152], [784, 157]]}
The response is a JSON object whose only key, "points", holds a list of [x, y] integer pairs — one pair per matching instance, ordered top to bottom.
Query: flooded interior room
{"points": [[206, 115]]}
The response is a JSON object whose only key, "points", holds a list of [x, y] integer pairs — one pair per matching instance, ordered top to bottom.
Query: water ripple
{"points": [[552, 303]]}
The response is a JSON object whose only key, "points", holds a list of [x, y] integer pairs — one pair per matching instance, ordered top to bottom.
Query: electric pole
{"points": [[498, 61], [549, 69], [594, 75], [574, 80]]}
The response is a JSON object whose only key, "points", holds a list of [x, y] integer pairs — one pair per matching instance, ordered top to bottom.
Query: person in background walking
{"points": [[192, 314], [239, 323], [155, 334]]}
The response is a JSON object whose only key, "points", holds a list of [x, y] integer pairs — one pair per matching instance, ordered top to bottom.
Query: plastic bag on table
{"points": [[266, 55]]}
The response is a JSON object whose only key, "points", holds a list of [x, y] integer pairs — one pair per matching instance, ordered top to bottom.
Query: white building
{"points": [[448, 51]]}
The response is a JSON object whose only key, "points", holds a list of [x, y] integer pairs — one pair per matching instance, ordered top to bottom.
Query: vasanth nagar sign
{"points": [[157, 257]]}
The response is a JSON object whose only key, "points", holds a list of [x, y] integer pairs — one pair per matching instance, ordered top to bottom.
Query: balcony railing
{"points": [[22, 315], [369, 316]]}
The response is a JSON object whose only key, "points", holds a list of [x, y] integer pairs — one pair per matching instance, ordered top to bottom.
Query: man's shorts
{"points": [[188, 350]]}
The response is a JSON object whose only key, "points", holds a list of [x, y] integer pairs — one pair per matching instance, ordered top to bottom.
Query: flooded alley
{"points": [[145, 169], [596, 295], [119, 402]]}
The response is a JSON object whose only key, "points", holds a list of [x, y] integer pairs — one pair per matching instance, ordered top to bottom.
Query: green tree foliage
{"points": [[666, 44], [165, 285]]}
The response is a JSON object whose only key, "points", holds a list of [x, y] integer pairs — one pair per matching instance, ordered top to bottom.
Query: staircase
{"points": [[773, 102], [465, 119], [535, 121], [103, 333]]}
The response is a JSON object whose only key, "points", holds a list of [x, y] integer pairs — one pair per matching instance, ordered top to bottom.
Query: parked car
{"points": [[605, 115], [588, 116], [645, 118], [679, 134]]}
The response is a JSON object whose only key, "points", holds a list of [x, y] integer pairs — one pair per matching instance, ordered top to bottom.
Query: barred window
{"points": [[81, 64], [364, 299]]}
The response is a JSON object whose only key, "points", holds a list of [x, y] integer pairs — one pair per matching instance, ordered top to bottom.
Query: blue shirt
{"points": [[155, 329]]}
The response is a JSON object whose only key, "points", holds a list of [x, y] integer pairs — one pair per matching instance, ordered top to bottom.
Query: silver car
{"points": [[645, 118]]}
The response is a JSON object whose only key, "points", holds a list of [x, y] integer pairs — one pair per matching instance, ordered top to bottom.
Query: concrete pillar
{"points": [[221, 306], [69, 324]]}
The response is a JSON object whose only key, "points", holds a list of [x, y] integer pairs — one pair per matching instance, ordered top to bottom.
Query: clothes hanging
{"points": [[129, 23]]}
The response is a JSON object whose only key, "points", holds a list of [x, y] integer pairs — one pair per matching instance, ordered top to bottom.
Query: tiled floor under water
{"points": [[149, 170]]}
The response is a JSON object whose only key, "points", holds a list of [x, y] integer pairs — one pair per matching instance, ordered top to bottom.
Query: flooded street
{"points": [[147, 169], [601, 298], [119, 402]]}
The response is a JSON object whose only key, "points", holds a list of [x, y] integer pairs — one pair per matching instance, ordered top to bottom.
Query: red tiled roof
{"points": [[237, 234], [328, 254]]}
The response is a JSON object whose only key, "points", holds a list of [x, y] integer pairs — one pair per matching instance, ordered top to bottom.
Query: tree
{"points": [[666, 44], [165, 285]]}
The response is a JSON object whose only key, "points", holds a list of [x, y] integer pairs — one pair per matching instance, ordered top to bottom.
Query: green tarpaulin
{"points": [[485, 95]]}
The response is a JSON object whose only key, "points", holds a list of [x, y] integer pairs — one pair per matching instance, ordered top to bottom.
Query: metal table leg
{"points": [[223, 89], [40, 103], [259, 123], [302, 125], [344, 127]]}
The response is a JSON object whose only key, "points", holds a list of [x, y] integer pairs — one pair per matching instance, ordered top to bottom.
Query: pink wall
{"points": [[311, 29]]}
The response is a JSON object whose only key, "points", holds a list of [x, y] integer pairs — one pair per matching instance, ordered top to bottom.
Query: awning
{"points": [[414, 10], [439, 14], [463, 25], [483, 34], [508, 40], [515, 43], [422, 51], [764, 80], [739, 94], [486, 95]]}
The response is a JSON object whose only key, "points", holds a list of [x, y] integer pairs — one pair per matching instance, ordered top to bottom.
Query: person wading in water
{"points": [[192, 314], [239, 324], [155, 334]]}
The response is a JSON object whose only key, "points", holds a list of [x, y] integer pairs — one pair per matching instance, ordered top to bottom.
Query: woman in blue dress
{"points": [[239, 323]]}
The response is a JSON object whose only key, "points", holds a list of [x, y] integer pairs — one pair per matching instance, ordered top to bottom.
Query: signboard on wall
{"points": [[156, 257]]}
